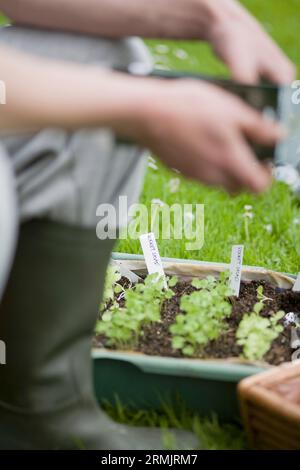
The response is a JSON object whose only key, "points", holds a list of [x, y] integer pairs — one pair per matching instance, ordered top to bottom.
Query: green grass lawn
{"points": [[273, 240], [212, 435]]}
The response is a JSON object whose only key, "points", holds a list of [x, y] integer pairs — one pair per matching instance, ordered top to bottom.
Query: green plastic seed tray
{"points": [[205, 386]]}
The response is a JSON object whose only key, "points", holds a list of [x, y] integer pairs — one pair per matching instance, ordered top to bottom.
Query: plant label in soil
{"points": [[151, 254], [236, 268], [296, 287]]}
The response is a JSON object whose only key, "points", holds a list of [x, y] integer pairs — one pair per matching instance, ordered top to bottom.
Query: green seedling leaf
{"points": [[113, 275], [173, 281], [199, 284], [260, 292], [258, 307], [107, 316], [123, 326], [256, 334], [177, 342], [188, 351]]}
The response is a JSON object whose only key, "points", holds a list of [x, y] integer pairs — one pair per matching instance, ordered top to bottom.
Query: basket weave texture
{"points": [[270, 408]]}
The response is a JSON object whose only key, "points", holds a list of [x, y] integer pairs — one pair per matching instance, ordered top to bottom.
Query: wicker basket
{"points": [[270, 408]]}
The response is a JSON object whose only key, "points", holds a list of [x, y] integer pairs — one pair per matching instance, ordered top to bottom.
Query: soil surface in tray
{"points": [[156, 338]]}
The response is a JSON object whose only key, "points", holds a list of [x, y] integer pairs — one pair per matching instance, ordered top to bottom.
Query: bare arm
{"points": [[236, 37], [42, 93], [179, 121]]}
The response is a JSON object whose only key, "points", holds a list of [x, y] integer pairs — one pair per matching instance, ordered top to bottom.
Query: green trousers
{"points": [[47, 318]]}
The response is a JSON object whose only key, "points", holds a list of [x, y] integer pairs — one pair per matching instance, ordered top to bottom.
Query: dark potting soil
{"points": [[156, 339], [289, 389]]}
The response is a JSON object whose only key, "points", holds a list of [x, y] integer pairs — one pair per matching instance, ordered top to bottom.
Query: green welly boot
{"points": [[47, 318]]}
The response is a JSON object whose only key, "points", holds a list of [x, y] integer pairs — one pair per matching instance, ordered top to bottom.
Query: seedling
{"points": [[113, 275], [172, 281], [209, 283], [260, 295], [204, 312], [200, 316], [123, 326], [256, 333]]}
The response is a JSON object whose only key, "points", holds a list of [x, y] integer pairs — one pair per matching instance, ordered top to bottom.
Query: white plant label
{"points": [[237, 255], [152, 256], [296, 287]]}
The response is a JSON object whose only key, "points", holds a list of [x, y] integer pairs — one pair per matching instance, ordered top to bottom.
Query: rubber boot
{"points": [[47, 318]]}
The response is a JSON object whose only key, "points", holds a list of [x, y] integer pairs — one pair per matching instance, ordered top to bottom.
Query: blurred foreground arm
{"points": [[236, 37], [179, 120]]}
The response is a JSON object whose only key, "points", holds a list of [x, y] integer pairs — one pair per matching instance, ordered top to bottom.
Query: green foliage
{"points": [[113, 275], [173, 281], [260, 292], [260, 295], [204, 312], [117, 326], [122, 326], [256, 333]]}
